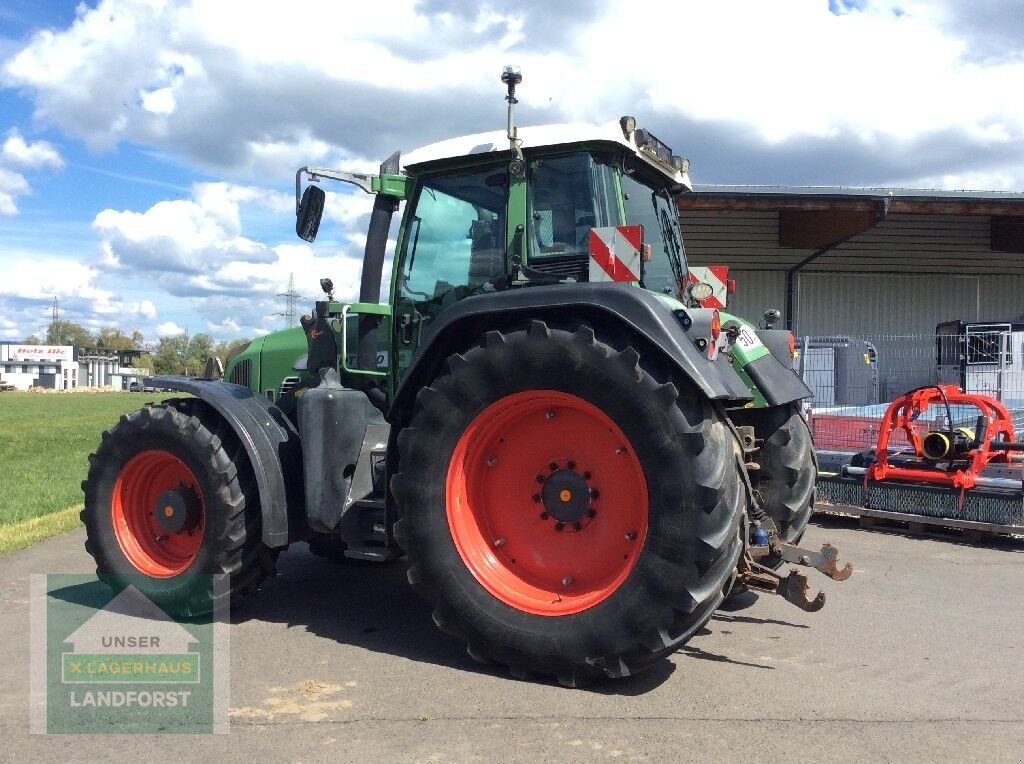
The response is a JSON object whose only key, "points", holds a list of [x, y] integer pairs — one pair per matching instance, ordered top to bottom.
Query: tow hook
{"points": [[826, 561], [792, 587]]}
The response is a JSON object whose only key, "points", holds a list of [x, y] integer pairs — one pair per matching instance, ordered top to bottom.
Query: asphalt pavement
{"points": [[918, 657]]}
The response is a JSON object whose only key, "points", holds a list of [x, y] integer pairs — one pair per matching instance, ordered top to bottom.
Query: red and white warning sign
{"points": [[615, 253], [715, 276]]}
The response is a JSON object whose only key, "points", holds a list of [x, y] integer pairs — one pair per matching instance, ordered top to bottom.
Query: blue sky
{"points": [[148, 149]]}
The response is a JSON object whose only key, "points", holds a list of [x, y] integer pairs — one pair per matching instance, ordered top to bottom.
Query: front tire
{"points": [[169, 498], [568, 507]]}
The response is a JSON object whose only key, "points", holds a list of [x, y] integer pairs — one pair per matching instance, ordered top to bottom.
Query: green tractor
{"points": [[579, 461]]}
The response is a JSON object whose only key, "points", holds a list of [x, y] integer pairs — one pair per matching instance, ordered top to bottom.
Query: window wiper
{"points": [[672, 244]]}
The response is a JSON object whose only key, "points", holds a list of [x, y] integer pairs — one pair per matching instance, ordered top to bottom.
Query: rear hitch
{"points": [[792, 587]]}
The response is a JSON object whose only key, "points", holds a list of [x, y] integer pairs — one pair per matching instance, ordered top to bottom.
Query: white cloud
{"points": [[238, 96], [16, 152], [33, 155], [12, 184], [197, 250], [29, 282], [168, 329]]}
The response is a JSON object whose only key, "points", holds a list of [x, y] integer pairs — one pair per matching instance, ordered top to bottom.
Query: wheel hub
{"points": [[566, 496], [521, 502], [178, 510]]}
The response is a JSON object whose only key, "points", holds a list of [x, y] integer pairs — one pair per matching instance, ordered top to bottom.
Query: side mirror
{"points": [[311, 209]]}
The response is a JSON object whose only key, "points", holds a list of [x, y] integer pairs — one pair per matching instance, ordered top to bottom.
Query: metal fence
{"points": [[854, 378]]}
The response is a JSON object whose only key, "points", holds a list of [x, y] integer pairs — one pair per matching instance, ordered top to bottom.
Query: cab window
{"points": [[569, 195], [656, 213], [455, 234], [453, 246]]}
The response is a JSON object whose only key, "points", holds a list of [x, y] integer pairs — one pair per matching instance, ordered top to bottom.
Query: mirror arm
{"points": [[361, 179]]}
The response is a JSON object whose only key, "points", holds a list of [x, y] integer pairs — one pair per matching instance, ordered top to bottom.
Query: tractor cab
{"points": [[501, 223]]}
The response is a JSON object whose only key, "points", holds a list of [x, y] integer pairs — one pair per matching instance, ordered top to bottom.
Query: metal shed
{"points": [[873, 260]]}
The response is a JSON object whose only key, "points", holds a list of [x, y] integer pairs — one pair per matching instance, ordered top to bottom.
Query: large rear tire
{"points": [[788, 470], [169, 497], [568, 507]]}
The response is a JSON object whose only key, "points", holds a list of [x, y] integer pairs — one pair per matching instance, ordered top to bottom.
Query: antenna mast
{"points": [[512, 76]]}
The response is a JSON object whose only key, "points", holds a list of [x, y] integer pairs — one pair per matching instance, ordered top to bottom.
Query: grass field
{"points": [[45, 441]]}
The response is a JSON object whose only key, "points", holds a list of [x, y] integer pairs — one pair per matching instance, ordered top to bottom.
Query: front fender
{"points": [[269, 438]]}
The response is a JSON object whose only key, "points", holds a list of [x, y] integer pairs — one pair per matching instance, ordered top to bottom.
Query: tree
{"points": [[69, 333], [112, 337], [32, 340], [200, 347], [223, 350], [183, 354], [170, 355], [145, 362]]}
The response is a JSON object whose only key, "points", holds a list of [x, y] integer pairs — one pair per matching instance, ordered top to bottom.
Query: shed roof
{"points": [[850, 199]]}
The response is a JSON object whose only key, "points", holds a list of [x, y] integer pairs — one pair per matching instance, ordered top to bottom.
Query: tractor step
{"points": [[371, 553]]}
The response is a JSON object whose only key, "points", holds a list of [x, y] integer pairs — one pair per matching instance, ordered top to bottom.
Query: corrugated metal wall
{"points": [[926, 244], [904, 276]]}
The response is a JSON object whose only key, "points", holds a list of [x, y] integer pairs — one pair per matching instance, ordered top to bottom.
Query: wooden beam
{"points": [[709, 201], [770, 203], [805, 229]]}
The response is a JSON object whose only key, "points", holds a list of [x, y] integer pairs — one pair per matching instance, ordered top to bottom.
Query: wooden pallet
{"points": [[877, 518]]}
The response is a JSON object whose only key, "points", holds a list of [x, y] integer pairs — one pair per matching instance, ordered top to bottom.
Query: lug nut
{"points": [[549, 415], [620, 450], [492, 462], [553, 466], [587, 476], [540, 478], [594, 493], [536, 498], [591, 513], [544, 515], [577, 525], [559, 527], [631, 536], [499, 542], [567, 581]]}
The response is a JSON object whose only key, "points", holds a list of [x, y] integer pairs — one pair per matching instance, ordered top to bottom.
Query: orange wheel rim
{"points": [[546, 502], [158, 513]]}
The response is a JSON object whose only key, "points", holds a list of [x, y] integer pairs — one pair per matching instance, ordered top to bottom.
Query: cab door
{"points": [[453, 246]]}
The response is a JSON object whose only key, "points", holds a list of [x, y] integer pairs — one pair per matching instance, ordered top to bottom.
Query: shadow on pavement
{"points": [[373, 607], [730, 618]]}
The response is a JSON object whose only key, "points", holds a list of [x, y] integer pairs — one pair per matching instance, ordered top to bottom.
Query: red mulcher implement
{"points": [[926, 463]]}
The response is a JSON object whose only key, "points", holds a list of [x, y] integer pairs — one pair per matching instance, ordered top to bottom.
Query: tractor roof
{"points": [[536, 137]]}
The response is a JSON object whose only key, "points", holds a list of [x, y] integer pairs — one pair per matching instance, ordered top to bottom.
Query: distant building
{"points": [[63, 367]]}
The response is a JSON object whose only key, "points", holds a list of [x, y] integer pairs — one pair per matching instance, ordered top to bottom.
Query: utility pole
{"points": [[290, 312], [56, 322], [184, 355]]}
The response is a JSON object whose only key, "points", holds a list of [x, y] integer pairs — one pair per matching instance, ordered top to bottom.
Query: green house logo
{"points": [[130, 641], [113, 661]]}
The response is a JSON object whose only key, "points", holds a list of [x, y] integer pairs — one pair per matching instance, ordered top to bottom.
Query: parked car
{"points": [[135, 387]]}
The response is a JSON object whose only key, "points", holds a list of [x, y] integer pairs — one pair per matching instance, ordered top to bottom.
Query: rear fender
{"points": [[650, 323], [270, 441]]}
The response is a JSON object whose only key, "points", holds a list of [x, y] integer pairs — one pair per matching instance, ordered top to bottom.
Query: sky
{"points": [[148, 148]]}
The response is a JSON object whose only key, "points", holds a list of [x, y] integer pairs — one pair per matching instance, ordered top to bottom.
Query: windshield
{"points": [[655, 211]]}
